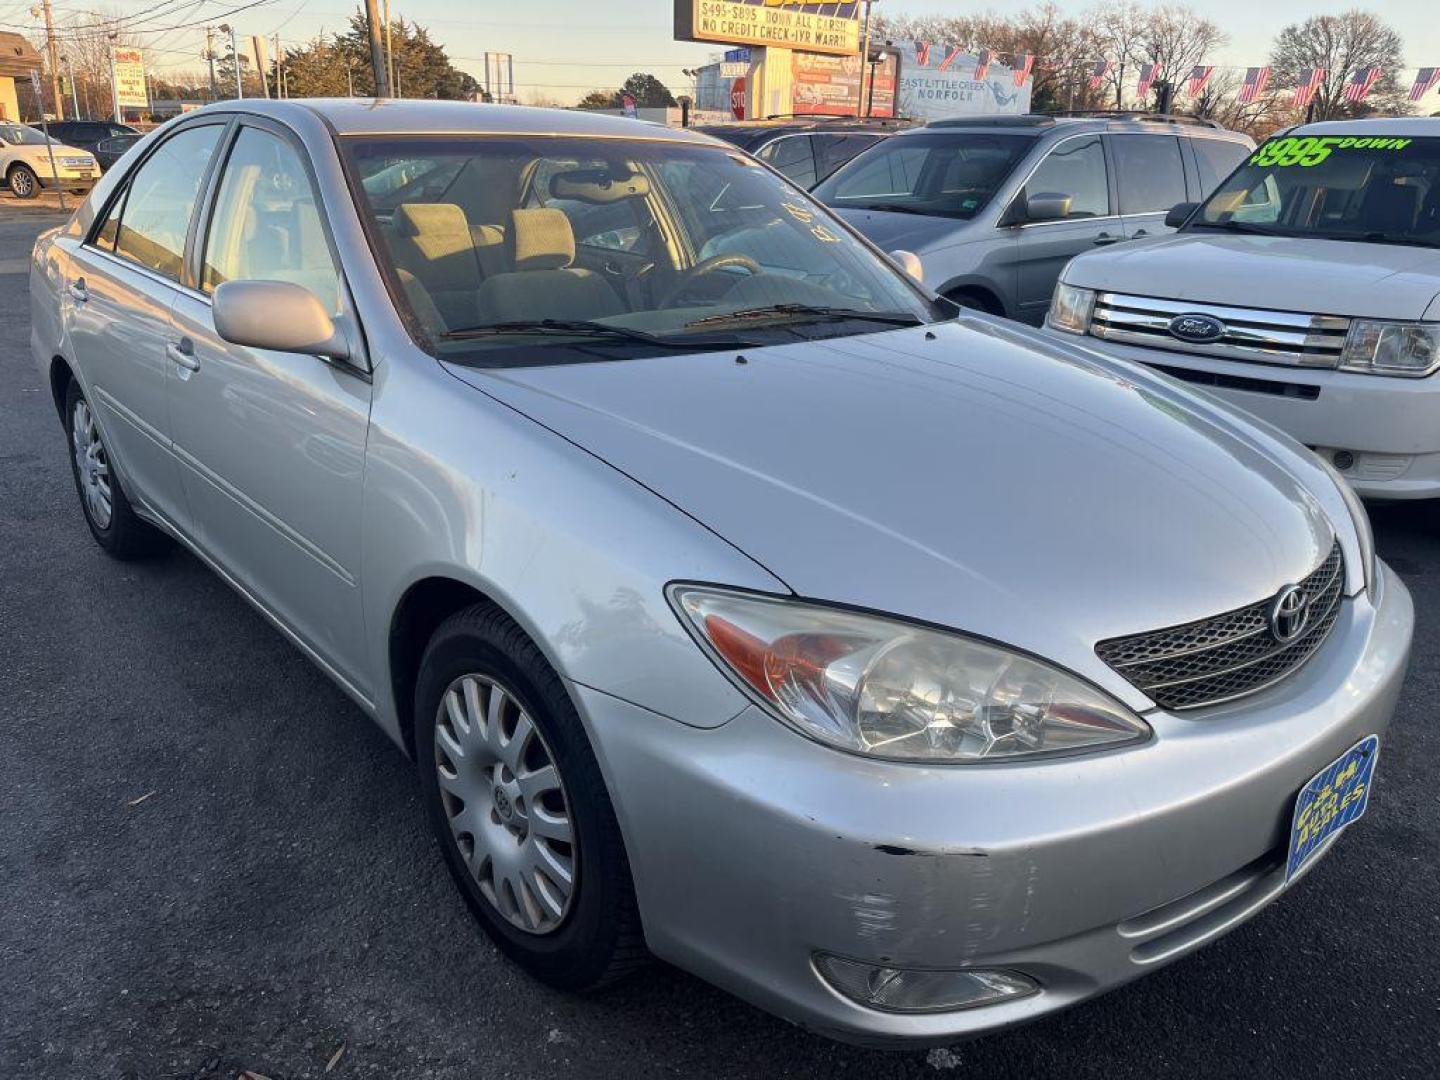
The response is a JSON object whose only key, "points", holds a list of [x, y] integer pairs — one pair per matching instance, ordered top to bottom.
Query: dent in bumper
{"points": [[753, 847]]}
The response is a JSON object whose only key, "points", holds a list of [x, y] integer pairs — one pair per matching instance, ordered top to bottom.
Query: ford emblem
{"points": [[1196, 329]]}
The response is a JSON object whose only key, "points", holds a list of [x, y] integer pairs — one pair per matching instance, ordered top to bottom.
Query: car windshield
{"points": [[20, 135], [939, 174], [1378, 189], [607, 248]]}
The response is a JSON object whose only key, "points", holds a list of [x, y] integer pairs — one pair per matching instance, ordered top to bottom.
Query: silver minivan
{"points": [[996, 206]]}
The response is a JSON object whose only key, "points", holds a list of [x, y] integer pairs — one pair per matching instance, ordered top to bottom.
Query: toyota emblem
{"points": [[1289, 614]]}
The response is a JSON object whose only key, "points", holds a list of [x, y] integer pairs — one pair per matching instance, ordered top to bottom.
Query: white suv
{"points": [[1305, 290]]}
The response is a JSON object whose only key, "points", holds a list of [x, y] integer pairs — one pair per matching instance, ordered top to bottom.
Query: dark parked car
{"points": [[89, 134], [806, 148], [109, 151]]}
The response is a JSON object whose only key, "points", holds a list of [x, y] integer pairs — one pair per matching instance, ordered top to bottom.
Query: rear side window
{"points": [[832, 151], [793, 157], [1217, 160], [1075, 168], [1149, 172], [148, 220]]}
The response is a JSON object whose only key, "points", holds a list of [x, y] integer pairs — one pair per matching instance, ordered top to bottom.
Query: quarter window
{"points": [[1218, 159], [1075, 168], [1148, 172], [147, 223], [267, 226]]}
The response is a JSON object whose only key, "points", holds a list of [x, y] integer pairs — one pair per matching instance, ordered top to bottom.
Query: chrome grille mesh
{"points": [[1213, 660]]}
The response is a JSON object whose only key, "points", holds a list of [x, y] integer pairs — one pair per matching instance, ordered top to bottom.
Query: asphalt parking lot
{"points": [[210, 862]]}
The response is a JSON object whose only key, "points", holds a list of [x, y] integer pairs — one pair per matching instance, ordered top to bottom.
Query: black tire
{"points": [[24, 184], [971, 301], [125, 536], [599, 940]]}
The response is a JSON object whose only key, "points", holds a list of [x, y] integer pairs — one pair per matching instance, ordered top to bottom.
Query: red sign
{"points": [[831, 85], [737, 98]]}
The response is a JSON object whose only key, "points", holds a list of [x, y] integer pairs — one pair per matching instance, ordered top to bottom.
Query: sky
{"points": [[564, 48]]}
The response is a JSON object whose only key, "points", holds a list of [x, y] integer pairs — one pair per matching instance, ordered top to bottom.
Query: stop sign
{"points": [[737, 98]]}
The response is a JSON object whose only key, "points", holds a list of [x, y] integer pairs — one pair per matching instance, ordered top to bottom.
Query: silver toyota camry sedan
{"points": [[910, 678]]}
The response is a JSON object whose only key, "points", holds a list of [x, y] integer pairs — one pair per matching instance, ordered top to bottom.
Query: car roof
{"points": [[384, 116], [1046, 124], [1415, 126], [749, 132]]}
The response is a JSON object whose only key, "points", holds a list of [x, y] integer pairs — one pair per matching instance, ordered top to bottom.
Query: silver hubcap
{"points": [[21, 182], [93, 465], [505, 803]]}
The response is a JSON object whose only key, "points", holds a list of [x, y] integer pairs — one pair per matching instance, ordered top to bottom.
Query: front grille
{"points": [[1295, 339], [1238, 382], [1230, 655]]}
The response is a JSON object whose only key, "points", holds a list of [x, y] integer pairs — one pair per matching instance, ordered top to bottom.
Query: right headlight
{"points": [[1070, 308], [1378, 347], [885, 688]]}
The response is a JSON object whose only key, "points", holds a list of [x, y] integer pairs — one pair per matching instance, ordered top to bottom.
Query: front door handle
{"points": [[1141, 232], [1101, 239], [78, 291], [182, 352]]}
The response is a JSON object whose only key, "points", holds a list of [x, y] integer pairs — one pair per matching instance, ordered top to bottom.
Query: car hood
{"points": [[903, 232], [1326, 277], [969, 475]]}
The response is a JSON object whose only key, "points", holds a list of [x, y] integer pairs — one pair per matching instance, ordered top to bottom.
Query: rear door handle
{"points": [[1101, 239], [78, 292], [182, 352]]}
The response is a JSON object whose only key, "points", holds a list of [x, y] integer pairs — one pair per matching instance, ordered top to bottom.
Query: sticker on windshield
{"points": [[1306, 152]]}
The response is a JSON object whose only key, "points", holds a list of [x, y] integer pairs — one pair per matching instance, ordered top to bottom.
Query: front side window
{"points": [[21, 135], [832, 151], [791, 156], [1075, 168], [1148, 172], [941, 174], [1382, 189], [148, 220], [266, 225], [601, 247]]}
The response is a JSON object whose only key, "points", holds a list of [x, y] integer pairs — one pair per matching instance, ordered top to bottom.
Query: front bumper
{"points": [[67, 181], [1389, 426], [753, 848]]}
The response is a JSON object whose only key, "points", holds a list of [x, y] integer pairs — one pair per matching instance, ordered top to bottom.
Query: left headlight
{"points": [[1070, 308], [1392, 348], [1364, 533], [889, 689]]}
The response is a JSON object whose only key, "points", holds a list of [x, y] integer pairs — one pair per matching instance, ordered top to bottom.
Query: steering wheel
{"points": [[709, 266]]}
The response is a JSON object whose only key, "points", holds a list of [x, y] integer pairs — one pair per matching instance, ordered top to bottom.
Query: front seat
{"points": [[1390, 207], [433, 242], [544, 283]]}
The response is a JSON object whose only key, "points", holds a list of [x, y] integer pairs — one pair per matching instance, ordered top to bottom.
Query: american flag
{"points": [[922, 54], [1023, 63], [982, 64], [1101, 69], [1148, 74], [1199, 77], [1256, 79], [1310, 80], [1425, 80], [1360, 84]]}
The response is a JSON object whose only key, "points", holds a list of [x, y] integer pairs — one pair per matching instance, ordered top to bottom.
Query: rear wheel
{"points": [[24, 184], [112, 522], [519, 807]]}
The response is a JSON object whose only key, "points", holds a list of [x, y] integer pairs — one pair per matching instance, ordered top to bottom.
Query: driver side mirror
{"points": [[1045, 206], [1178, 214], [909, 262], [277, 315]]}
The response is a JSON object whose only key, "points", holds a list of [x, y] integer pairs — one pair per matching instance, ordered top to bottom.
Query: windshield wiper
{"points": [[886, 208], [1237, 227], [1390, 238], [809, 313], [588, 329]]}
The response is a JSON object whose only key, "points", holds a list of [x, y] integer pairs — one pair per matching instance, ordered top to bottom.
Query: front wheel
{"points": [[24, 184], [518, 805]]}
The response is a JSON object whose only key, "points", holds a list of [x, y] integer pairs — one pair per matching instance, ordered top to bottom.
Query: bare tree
{"points": [[1122, 30], [1178, 39], [1341, 45], [1221, 102]]}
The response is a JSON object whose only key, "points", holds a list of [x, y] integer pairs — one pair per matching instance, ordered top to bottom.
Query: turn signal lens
{"points": [[885, 688], [912, 990]]}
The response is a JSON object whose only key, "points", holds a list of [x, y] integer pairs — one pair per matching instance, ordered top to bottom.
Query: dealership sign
{"points": [[820, 28], [129, 67], [937, 83], [832, 85]]}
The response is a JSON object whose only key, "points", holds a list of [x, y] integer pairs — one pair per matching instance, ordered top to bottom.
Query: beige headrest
{"points": [[429, 222], [543, 239]]}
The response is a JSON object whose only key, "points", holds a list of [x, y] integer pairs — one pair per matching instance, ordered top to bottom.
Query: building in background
{"points": [[17, 59], [936, 83]]}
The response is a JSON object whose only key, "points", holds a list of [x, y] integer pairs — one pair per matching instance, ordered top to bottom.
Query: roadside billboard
{"points": [[832, 28], [129, 65], [936, 83], [831, 85]]}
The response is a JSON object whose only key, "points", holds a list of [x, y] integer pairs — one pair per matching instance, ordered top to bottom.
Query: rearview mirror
{"points": [[598, 186], [1047, 206], [1178, 214], [909, 262], [277, 315]]}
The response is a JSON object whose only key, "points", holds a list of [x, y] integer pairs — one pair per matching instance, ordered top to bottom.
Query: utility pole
{"points": [[52, 50], [377, 53], [390, 53], [210, 56], [234, 58], [279, 69], [867, 69], [349, 77], [115, 84], [74, 93]]}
